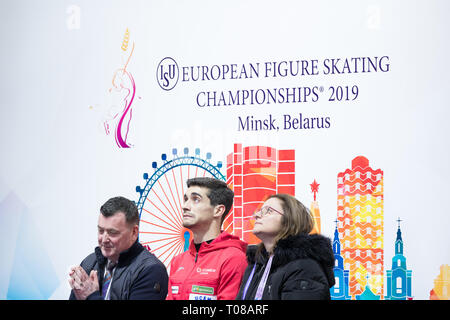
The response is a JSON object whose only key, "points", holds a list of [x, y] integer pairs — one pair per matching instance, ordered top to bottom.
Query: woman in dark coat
{"points": [[289, 263]]}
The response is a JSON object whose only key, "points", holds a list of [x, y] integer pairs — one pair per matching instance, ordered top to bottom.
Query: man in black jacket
{"points": [[120, 268]]}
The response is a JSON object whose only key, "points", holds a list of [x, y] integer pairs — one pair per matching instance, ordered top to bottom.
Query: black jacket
{"points": [[302, 268], [139, 275]]}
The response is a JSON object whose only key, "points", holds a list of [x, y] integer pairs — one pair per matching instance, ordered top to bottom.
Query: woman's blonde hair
{"points": [[296, 217]]}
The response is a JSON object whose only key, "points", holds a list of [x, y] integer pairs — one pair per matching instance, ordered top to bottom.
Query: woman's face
{"points": [[268, 219]]}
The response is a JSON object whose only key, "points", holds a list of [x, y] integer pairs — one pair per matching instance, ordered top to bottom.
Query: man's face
{"points": [[197, 209], [115, 235]]}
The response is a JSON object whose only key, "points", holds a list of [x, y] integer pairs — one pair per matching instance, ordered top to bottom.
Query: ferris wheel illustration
{"points": [[160, 202]]}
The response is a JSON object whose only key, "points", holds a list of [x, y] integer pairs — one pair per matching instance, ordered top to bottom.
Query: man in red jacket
{"points": [[213, 266]]}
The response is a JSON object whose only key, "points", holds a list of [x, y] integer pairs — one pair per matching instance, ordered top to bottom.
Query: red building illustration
{"points": [[254, 173]]}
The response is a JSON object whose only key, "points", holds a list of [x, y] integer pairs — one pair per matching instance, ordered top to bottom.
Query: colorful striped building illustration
{"points": [[360, 226], [441, 290]]}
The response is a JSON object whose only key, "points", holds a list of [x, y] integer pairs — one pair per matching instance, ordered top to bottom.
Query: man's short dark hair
{"points": [[219, 193], [121, 204]]}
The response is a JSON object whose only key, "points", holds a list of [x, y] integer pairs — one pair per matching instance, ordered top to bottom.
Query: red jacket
{"points": [[214, 272]]}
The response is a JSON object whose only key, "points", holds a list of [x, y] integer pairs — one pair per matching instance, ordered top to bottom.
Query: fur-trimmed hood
{"points": [[302, 246]]}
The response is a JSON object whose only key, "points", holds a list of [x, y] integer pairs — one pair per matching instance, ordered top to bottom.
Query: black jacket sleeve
{"points": [[304, 280], [151, 284]]}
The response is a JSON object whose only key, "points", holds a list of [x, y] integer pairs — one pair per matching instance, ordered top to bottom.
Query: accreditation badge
{"points": [[202, 293]]}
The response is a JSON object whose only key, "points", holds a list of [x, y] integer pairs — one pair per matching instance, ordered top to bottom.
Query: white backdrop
{"points": [[58, 165]]}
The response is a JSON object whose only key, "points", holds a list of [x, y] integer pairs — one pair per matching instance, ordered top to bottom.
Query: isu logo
{"points": [[167, 73]]}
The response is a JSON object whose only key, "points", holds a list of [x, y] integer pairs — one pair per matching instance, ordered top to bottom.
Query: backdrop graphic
{"points": [[342, 104]]}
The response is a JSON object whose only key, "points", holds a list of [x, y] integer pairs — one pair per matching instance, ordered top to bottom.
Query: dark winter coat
{"points": [[302, 268], [139, 275]]}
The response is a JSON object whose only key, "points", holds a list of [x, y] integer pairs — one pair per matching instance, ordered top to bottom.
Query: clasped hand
{"points": [[82, 284]]}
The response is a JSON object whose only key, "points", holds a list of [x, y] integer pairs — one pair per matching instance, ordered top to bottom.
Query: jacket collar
{"points": [[223, 241], [302, 246], [305, 246], [124, 257]]}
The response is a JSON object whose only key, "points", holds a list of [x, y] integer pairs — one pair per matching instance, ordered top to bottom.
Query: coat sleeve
{"points": [[231, 275], [304, 281], [151, 284], [93, 296]]}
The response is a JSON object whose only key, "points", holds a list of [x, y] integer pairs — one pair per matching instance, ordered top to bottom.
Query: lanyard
{"points": [[248, 282], [262, 283]]}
